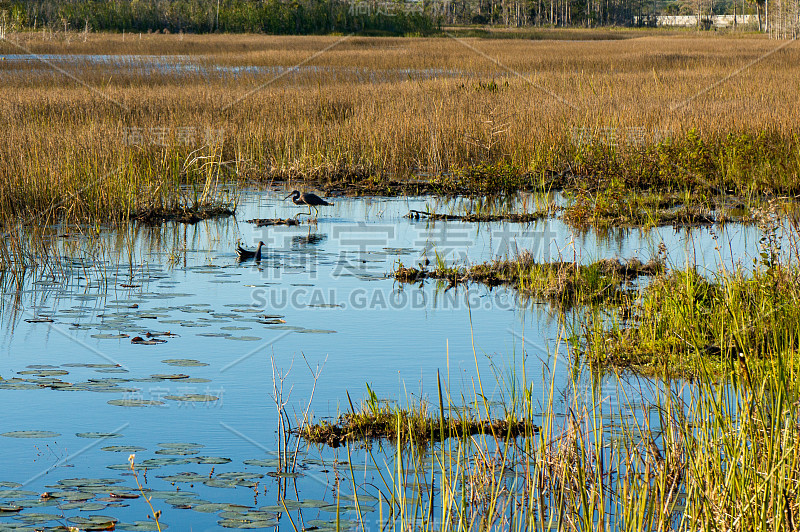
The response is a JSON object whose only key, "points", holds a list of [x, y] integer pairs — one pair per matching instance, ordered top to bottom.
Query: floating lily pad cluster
{"points": [[142, 315], [124, 319], [39, 376], [73, 501]]}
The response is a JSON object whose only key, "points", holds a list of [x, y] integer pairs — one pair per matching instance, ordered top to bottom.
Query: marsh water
{"points": [[49, 65], [197, 407]]}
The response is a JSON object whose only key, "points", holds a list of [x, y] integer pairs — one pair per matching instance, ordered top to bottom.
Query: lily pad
{"points": [[184, 362], [82, 365], [44, 372], [18, 385], [193, 397], [135, 402], [31, 434], [98, 435], [181, 445], [177, 452], [209, 460], [158, 462], [274, 462], [239, 475], [186, 476], [89, 482], [220, 483], [16, 494], [162, 494], [70, 495], [122, 495], [184, 501], [35, 503], [314, 503], [83, 506], [211, 507], [37, 518], [93, 520], [247, 524], [141, 526], [324, 526]]}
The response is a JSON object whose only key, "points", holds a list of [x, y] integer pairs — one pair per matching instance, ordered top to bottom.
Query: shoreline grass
{"points": [[683, 322], [677, 323], [701, 456]]}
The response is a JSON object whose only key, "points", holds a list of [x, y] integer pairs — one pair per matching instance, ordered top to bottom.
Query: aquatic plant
{"points": [[156, 514]]}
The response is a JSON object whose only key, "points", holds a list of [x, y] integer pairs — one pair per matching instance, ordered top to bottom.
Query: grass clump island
{"points": [[606, 281], [377, 419]]}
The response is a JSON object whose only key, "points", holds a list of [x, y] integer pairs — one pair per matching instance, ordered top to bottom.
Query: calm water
{"points": [[181, 65], [321, 297]]}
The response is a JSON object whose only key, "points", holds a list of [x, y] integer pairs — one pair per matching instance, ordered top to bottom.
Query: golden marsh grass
{"points": [[380, 108]]}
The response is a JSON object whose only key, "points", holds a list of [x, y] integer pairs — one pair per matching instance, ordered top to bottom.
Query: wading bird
{"points": [[307, 198], [245, 254]]}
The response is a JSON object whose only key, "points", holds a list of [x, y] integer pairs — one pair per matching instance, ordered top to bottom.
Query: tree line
{"points": [[345, 16]]}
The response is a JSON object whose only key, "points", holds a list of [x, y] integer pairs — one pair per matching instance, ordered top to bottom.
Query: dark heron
{"points": [[307, 198], [245, 254]]}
